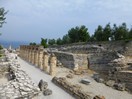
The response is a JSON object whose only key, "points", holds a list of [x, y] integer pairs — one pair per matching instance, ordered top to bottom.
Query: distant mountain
{"points": [[14, 44]]}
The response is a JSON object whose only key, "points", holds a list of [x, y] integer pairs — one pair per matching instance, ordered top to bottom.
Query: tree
{"points": [[2, 16], [107, 32], [114, 32], [121, 32], [73, 34], [78, 34], [83, 34], [98, 34], [130, 34], [92, 38], [66, 39], [51, 41], [59, 41], [44, 42], [32, 43]]}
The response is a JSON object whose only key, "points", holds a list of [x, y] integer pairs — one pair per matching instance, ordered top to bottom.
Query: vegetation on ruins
{"points": [[114, 33], [78, 34], [81, 34], [51, 41], [44, 42], [32, 43]]}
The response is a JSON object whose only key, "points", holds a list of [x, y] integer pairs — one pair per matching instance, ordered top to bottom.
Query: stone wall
{"points": [[95, 47], [71, 60], [100, 61], [126, 77]]}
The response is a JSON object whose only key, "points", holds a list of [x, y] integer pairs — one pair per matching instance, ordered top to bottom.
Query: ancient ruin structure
{"points": [[40, 58], [112, 60], [47, 61]]}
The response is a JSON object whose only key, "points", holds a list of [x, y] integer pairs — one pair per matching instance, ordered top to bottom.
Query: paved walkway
{"points": [[36, 74]]}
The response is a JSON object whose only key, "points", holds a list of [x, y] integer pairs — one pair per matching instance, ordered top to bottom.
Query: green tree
{"points": [[2, 16], [107, 32], [114, 32], [121, 32], [73, 34], [78, 34], [83, 34], [98, 34], [130, 34], [92, 38], [66, 39], [51, 41], [59, 41], [44, 42], [32, 43], [1, 47]]}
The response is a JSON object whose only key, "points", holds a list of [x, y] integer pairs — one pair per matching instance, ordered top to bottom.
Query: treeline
{"points": [[81, 34]]}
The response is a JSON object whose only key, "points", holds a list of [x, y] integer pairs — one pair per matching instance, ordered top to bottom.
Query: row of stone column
{"points": [[40, 58]]}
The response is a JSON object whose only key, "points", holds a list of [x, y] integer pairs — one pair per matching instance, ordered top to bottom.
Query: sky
{"points": [[31, 20]]}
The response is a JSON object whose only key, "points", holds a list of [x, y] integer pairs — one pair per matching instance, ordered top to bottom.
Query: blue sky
{"points": [[31, 20]]}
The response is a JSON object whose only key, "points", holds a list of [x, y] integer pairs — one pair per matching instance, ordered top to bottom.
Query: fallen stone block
{"points": [[69, 76], [85, 81], [110, 83], [42, 85], [119, 86], [74, 90], [47, 92], [99, 97]]}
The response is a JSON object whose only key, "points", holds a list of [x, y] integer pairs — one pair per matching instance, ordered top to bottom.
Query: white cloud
{"points": [[60, 15]]}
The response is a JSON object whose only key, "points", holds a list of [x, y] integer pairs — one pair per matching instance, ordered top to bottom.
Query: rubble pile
{"points": [[19, 84]]}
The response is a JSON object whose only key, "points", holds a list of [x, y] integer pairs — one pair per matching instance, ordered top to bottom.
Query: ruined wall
{"points": [[93, 47], [100, 53], [42, 59], [67, 59], [71, 60], [112, 60], [126, 77]]}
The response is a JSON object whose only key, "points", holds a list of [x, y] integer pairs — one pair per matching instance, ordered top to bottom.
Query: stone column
{"points": [[20, 53], [26, 53], [30, 53], [23, 56], [32, 57], [36, 58], [40, 59], [45, 61], [53, 62]]}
